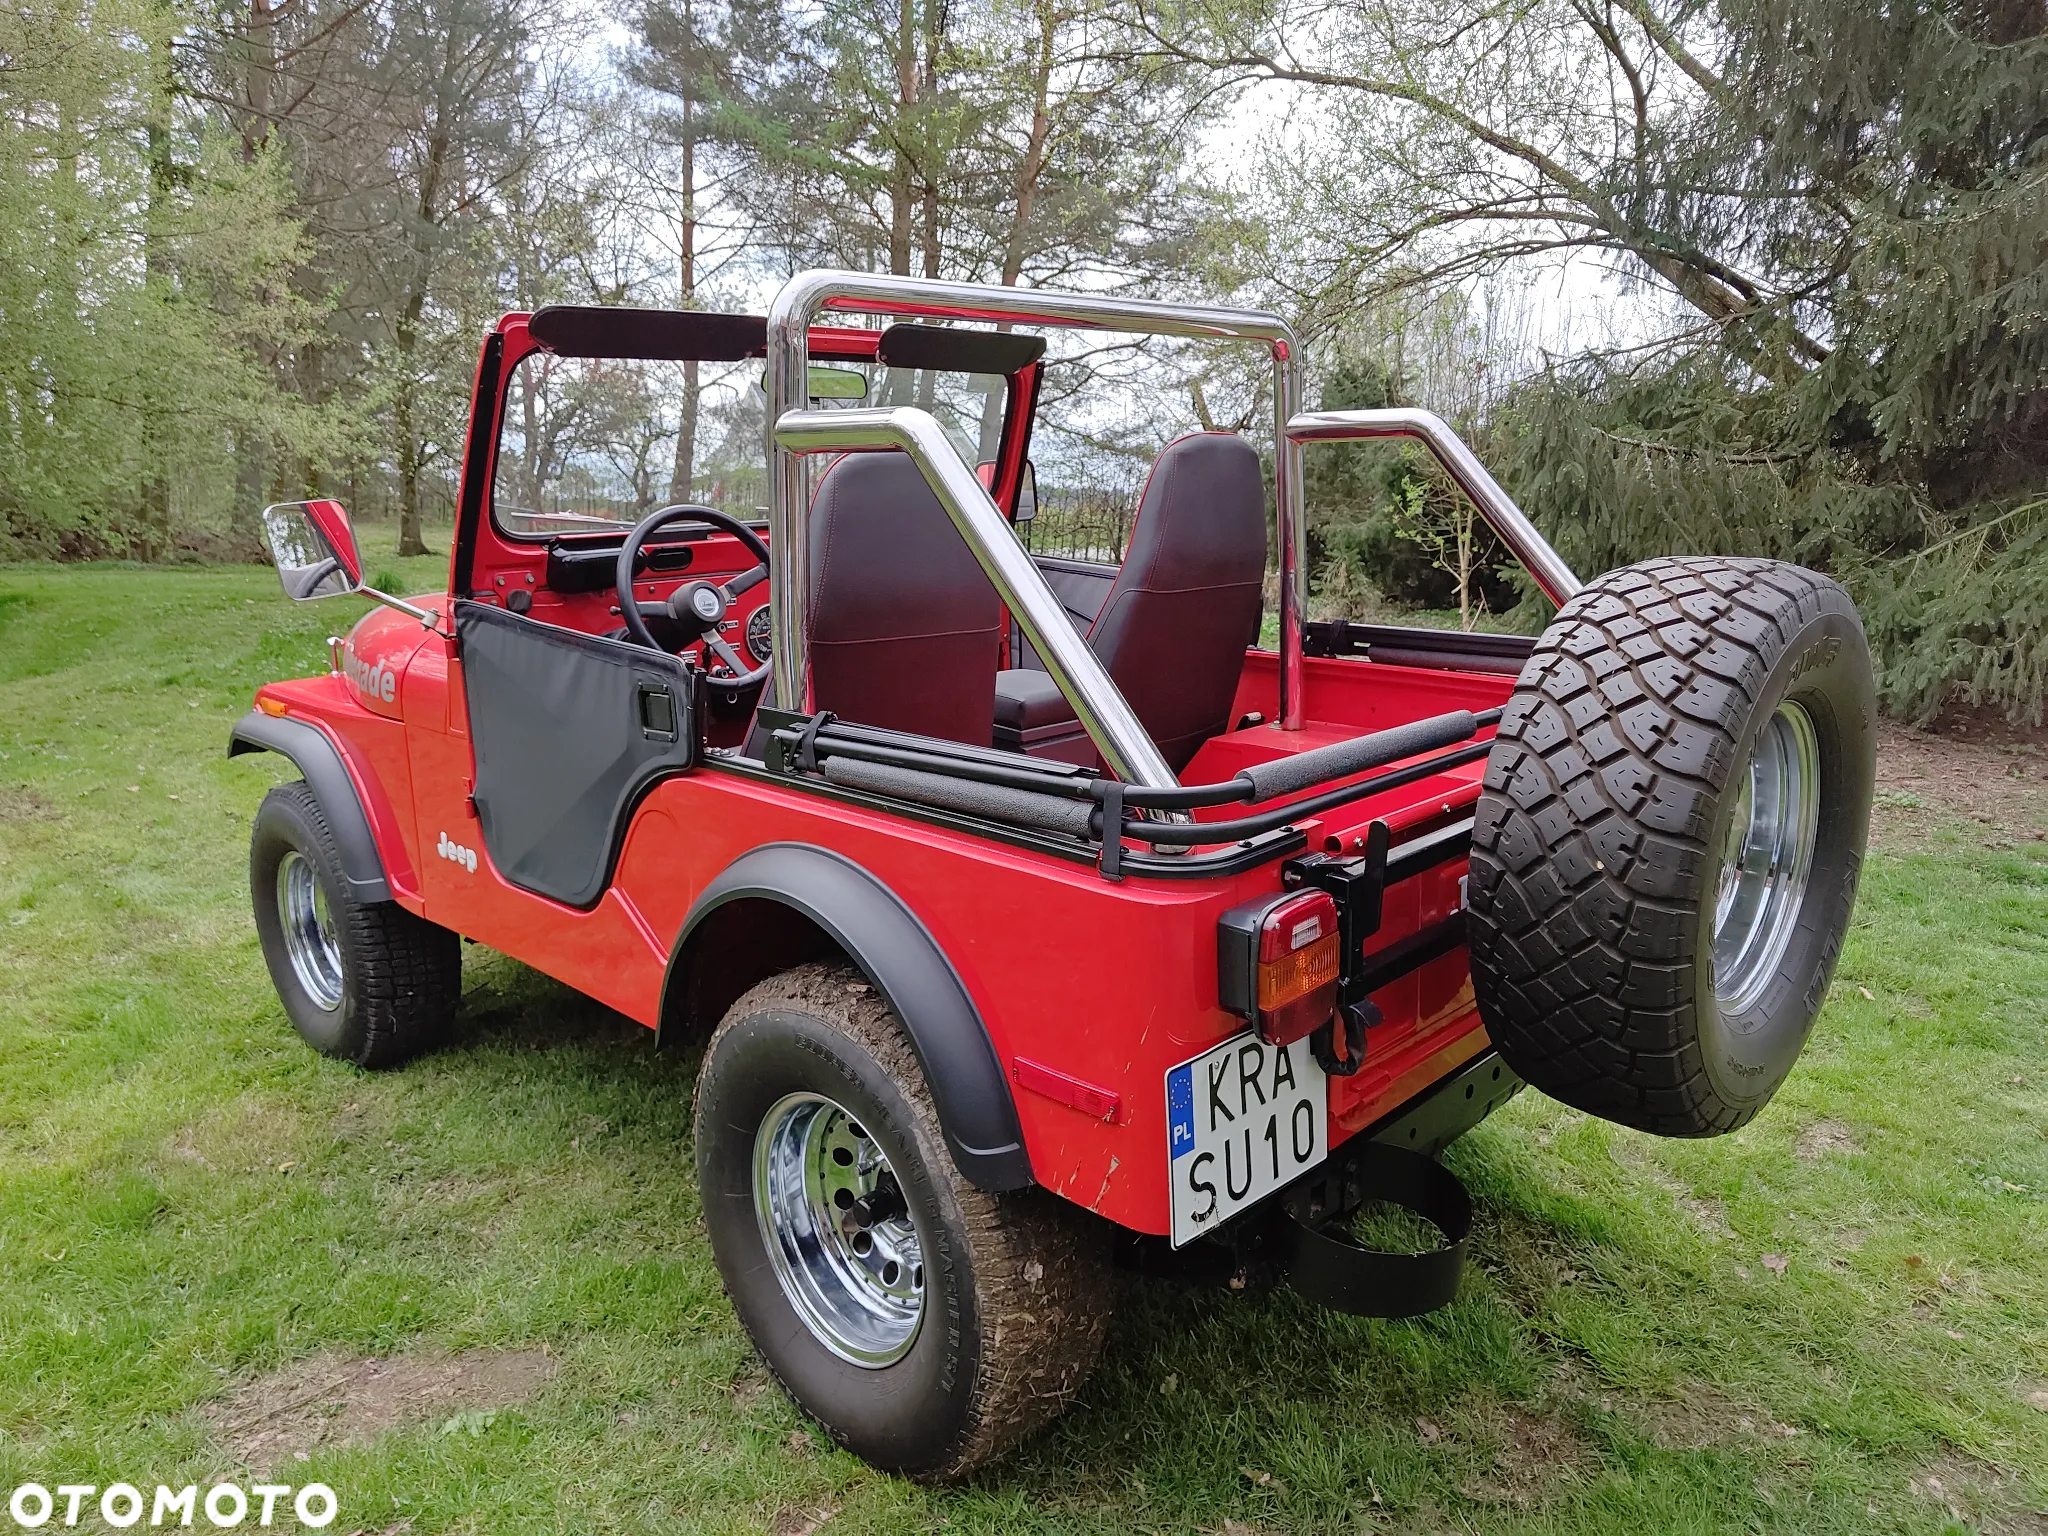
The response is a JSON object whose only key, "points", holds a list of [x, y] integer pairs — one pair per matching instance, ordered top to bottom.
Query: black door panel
{"points": [[569, 730]]}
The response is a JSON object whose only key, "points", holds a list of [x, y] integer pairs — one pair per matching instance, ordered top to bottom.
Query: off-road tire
{"points": [[1599, 838], [401, 976], [1017, 1290]]}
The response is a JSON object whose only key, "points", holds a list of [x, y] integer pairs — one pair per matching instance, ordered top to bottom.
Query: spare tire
{"points": [[1665, 852]]}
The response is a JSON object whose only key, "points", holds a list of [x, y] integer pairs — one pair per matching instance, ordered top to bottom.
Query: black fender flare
{"points": [[319, 763], [896, 952]]}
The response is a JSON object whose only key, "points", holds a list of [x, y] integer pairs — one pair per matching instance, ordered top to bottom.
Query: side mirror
{"points": [[1027, 494], [314, 547], [316, 555]]}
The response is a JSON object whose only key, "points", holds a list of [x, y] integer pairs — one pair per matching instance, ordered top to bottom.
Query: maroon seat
{"points": [[1176, 622], [904, 625]]}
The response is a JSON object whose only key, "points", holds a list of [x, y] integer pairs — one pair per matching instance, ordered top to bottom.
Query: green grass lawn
{"points": [[1835, 1320]]}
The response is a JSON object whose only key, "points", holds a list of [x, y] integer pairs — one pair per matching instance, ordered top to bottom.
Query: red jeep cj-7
{"points": [[1031, 911]]}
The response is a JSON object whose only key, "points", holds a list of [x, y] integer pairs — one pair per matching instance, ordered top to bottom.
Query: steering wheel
{"points": [[697, 607]]}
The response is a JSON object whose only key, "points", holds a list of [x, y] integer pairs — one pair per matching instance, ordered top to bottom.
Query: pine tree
{"points": [[1842, 205]]}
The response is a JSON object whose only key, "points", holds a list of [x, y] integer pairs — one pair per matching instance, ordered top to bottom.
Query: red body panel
{"points": [[1109, 985], [1098, 988]]}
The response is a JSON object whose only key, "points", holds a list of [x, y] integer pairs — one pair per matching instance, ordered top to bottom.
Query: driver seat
{"points": [[904, 626]]}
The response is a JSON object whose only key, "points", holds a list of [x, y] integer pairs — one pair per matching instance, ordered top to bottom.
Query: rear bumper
{"points": [[1434, 1120]]}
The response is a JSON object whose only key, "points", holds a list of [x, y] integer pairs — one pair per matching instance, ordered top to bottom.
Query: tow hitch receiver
{"points": [[1394, 1164], [1301, 1236], [1322, 1261]]}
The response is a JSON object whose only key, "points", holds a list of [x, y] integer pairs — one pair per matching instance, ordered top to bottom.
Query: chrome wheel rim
{"points": [[1767, 858], [308, 931], [838, 1234]]}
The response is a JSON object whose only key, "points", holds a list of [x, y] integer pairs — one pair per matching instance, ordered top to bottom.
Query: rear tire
{"points": [[1665, 854], [362, 981], [1010, 1301]]}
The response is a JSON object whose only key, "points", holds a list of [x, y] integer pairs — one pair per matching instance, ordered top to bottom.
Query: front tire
{"points": [[362, 981], [925, 1324]]}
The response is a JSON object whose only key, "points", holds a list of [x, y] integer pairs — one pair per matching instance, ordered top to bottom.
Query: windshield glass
{"points": [[968, 405], [592, 445]]}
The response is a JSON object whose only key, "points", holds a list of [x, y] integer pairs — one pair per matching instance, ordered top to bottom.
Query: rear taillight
{"points": [[1277, 962]]}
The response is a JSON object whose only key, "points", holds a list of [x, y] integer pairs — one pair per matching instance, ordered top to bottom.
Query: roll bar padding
{"points": [[1341, 759], [1050, 812]]}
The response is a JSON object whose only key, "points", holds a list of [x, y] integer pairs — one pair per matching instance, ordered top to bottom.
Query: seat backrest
{"points": [[904, 625], [1175, 625]]}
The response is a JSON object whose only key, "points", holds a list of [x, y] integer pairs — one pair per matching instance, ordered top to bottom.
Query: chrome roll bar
{"points": [[1495, 505], [1094, 698], [1126, 746]]}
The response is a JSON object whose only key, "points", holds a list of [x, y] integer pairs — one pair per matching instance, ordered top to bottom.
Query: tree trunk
{"points": [[261, 48], [928, 102], [1031, 165], [1023, 198], [901, 205], [931, 230], [403, 423], [411, 451], [683, 473], [682, 483], [154, 494], [1464, 528], [409, 540]]}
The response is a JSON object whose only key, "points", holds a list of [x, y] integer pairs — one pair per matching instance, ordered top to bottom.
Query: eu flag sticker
{"points": [[1180, 1111]]}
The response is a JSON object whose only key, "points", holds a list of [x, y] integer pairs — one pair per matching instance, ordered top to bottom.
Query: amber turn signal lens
{"points": [[1277, 964], [1291, 976]]}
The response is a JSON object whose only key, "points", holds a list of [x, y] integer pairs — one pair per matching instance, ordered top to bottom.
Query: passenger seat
{"points": [[1176, 623]]}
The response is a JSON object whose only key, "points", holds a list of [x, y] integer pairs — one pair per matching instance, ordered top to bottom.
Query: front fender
{"points": [[319, 763], [901, 959]]}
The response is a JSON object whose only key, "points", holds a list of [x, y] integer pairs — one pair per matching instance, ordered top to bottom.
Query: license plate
{"points": [[1242, 1119]]}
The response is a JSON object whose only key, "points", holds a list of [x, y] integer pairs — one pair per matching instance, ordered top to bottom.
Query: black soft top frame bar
{"points": [[688, 335]]}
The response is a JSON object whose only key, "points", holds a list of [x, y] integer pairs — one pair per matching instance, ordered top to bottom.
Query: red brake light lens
{"points": [[1299, 961]]}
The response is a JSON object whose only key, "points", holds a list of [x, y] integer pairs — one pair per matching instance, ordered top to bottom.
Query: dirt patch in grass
{"points": [[1972, 771], [19, 803], [249, 1135], [1825, 1138], [1710, 1215], [346, 1400], [1698, 1417], [1530, 1453], [1987, 1498], [802, 1522]]}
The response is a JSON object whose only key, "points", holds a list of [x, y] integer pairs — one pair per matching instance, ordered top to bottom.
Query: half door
{"points": [[569, 731]]}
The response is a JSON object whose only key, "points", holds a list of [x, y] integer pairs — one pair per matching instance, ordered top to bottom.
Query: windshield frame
{"points": [[828, 344]]}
